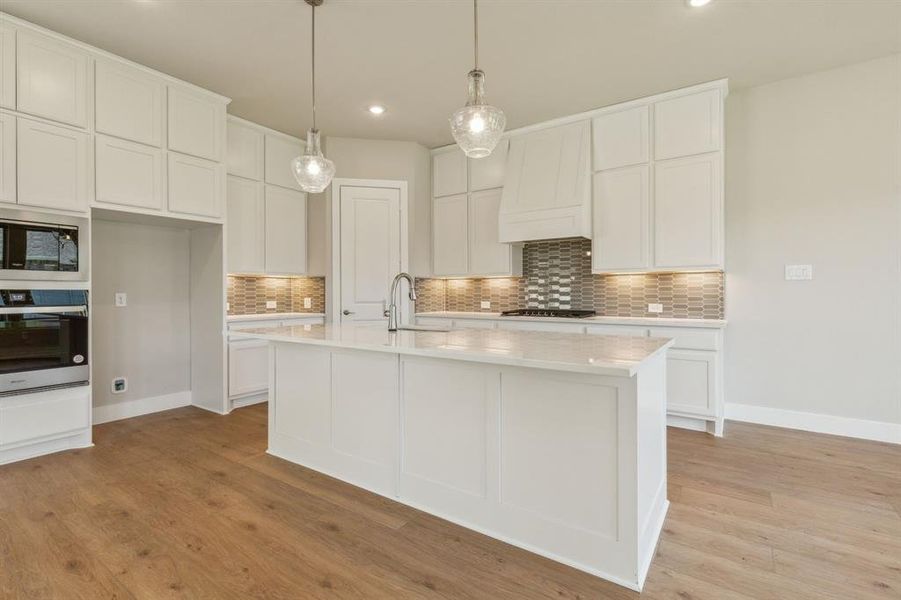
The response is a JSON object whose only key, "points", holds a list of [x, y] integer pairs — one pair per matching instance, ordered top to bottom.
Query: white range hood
{"points": [[547, 189]]}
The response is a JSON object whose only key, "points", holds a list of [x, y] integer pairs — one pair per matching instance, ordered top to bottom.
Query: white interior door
{"points": [[370, 251]]}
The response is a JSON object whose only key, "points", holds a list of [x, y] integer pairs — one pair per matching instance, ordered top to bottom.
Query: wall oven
{"points": [[37, 250], [43, 339]]}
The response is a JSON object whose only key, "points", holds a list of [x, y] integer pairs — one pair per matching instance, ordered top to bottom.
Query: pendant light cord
{"points": [[475, 27], [313, 65]]}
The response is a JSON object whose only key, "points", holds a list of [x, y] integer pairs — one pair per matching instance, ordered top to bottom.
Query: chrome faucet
{"points": [[392, 308]]}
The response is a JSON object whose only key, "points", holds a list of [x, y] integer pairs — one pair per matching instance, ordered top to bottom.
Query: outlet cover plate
{"points": [[798, 272], [121, 299], [308, 303], [271, 304], [485, 304], [655, 308]]}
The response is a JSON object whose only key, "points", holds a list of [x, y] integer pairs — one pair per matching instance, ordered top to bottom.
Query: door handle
{"points": [[346, 312]]}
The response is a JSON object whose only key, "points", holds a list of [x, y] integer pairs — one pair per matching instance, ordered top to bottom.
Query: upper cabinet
{"points": [[7, 66], [51, 79], [128, 102], [196, 123], [687, 125], [621, 138], [244, 149], [280, 151], [7, 158], [51, 166], [128, 173], [449, 173], [488, 173], [195, 186], [547, 186], [658, 193], [245, 231], [286, 231], [450, 253]]}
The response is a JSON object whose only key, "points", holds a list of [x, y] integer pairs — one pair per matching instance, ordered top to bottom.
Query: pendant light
{"points": [[477, 127], [312, 170]]}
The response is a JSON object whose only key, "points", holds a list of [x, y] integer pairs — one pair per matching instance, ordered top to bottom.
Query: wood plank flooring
{"points": [[186, 504]]}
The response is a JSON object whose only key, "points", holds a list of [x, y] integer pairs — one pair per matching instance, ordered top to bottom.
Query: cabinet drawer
{"points": [[627, 330], [689, 339], [33, 417]]}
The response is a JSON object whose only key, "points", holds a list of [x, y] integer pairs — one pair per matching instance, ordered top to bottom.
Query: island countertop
{"points": [[593, 354]]}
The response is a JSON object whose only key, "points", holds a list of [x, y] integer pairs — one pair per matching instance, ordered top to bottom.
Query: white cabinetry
{"points": [[7, 66], [51, 79], [128, 102], [196, 123], [244, 149], [280, 151], [7, 158], [128, 173], [449, 173], [488, 173], [65, 185], [195, 186], [547, 186], [660, 209], [246, 226], [286, 231], [451, 244], [487, 256], [44, 422]]}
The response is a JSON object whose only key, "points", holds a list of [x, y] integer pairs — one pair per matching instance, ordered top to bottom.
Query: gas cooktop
{"points": [[549, 312]]}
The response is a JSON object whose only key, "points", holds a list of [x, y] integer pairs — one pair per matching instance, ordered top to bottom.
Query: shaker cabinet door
{"points": [[7, 66], [51, 78], [128, 103], [196, 124], [688, 125], [621, 139], [244, 150], [280, 151], [7, 158], [51, 166], [487, 173], [128, 174], [449, 175], [195, 186], [245, 219], [621, 220], [286, 231], [450, 235], [487, 256]]}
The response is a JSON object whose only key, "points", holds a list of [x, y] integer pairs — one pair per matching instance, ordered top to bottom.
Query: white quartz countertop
{"points": [[271, 316], [600, 320], [574, 352]]}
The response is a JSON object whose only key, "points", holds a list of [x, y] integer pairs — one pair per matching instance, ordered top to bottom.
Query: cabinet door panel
{"points": [[7, 66], [51, 79], [128, 103], [196, 124], [688, 125], [621, 139], [41, 146], [244, 151], [279, 154], [7, 158], [449, 173], [487, 173], [129, 174], [195, 186], [688, 212], [621, 219], [245, 226], [286, 231], [450, 235], [487, 256], [248, 367], [691, 382]]}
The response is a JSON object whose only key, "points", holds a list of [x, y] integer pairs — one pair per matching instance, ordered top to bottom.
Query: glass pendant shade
{"points": [[477, 127], [312, 170]]}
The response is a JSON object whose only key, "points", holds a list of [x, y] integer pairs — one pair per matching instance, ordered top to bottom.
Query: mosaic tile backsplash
{"points": [[557, 274], [248, 295]]}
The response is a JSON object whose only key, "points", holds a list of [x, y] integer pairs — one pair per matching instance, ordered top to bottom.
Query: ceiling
{"points": [[543, 58]]}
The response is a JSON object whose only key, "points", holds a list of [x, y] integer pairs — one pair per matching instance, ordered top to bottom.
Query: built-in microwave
{"points": [[36, 250]]}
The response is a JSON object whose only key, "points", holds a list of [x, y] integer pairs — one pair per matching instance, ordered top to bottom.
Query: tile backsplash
{"points": [[557, 274], [248, 295]]}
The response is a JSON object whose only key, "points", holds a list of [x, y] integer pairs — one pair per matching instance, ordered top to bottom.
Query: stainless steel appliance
{"points": [[36, 250], [549, 312], [43, 339]]}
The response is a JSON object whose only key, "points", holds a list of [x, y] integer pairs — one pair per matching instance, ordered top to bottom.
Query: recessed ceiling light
{"points": [[698, 3], [377, 109]]}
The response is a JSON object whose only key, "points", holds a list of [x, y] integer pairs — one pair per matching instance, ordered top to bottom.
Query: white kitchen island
{"points": [[553, 442]]}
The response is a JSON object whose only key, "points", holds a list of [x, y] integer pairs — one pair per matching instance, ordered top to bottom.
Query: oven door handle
{"points": [[22, 310]]}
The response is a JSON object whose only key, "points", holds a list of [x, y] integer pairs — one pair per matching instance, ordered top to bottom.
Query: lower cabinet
{"points": [[691, 382], [44, 422]]}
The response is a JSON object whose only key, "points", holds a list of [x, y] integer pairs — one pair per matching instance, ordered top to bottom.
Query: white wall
{"points": [[813, 177], [149, 340]]}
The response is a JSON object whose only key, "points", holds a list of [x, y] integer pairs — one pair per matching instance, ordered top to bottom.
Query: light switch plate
{"points": [[798, 272], [121, 299], [308, 303], [271, 304], [485, 304], [655, 308]]}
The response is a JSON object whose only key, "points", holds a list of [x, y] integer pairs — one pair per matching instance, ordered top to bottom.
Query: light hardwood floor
{"points": [[186, 504]]}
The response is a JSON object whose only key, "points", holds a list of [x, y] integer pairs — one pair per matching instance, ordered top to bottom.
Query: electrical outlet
{"points": [[798, 272], [121, 299], [308, 303], [271, 304], [485, 304], [228, 306], [655, 308], [119, 385]]}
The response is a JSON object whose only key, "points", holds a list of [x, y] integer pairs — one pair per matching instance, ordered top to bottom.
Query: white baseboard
{"points": [[141, 406], [856, 428]]}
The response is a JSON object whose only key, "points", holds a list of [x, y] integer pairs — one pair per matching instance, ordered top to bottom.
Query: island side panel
{"points": [[335, 411]]}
